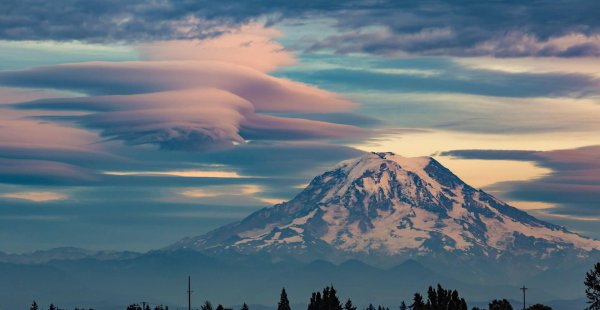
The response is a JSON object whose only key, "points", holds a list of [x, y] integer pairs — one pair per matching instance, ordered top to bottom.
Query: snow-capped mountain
{"points": [[386, 205]]}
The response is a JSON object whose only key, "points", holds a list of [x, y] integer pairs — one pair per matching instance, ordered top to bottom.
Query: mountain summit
{"points": [[386, 205]]}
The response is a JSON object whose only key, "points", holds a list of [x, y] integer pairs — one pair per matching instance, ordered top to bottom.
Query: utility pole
{"points": [[524, 289], [189, 291]]}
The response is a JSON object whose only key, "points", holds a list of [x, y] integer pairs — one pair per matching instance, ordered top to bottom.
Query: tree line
{"points": [[437, 298]]}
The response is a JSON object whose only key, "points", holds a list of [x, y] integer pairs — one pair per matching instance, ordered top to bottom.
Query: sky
{"points": [[127, 125]]}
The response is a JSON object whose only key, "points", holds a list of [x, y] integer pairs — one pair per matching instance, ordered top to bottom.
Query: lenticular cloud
{"points": [[188, 103]]}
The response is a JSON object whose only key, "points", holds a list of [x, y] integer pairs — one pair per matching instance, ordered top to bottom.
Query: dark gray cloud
{"points": [[139, 20], [442, 27], [467, 28], [299, 159], [573, 184]]}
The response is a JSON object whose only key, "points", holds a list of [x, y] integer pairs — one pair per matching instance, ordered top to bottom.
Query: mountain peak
{"points": [[407, 163], [387, 205]]}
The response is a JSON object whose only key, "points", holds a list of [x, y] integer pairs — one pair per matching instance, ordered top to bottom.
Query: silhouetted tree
{"points": [[592, 287], [442, 299], [315, 301], [327, 301], [284, 303], [418, 303], [497, 304], [348, 305], [34, 306], [207, 306], [403, 306], [52, 307], [134, 307], [147, 307], [220, 307], [244, 307], [370, 307], [380, 307], [539, 307], [476, 308]]}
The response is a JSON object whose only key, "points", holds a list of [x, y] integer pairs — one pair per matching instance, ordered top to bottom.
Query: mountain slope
{"points": [[386, 205]]}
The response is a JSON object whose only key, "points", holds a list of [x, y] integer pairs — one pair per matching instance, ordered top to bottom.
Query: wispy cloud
{"points": [[180, 173], [573, 186], [35, 196]]}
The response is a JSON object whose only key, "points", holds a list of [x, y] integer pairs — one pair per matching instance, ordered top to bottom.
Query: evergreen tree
{"points": [[592, 287], [330, 299], [443, 299], [327, 301], [318, 302], [284, 303], [418, 303], [313, 304], [348, 305], [500, 305], [34, 306], [207, 306], [403, 306], [52, 307], [147, 307], [220, 307], [244, 307], [370, 307], [539, 307], [476, 308]]}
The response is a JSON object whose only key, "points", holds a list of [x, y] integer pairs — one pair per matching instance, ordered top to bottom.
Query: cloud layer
{"points": [[441, 27], [201, 98], [573, 185]]}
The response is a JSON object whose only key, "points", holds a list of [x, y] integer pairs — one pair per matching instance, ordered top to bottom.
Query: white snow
{"points": [[406, 225]]}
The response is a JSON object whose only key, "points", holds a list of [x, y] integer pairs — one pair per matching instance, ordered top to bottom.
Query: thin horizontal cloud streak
{"points": [[472, 81], [43, 172]]}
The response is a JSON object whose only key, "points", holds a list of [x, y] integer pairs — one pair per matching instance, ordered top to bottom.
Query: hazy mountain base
{"points": [[382, 208], [160, 277]]}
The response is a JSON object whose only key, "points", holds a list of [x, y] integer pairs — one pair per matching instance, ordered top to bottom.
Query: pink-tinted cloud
{"points": [[252, 45], [266, 93], [13, 95], [200, 95], [189, 105]]}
